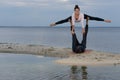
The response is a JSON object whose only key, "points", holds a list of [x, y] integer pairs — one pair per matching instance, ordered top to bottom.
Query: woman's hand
{"points": [[53, 24], [73, 29], [83, 30], [72, 32]]}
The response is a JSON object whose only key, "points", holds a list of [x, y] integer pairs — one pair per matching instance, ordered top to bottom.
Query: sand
{"points": [[34, 49], [67, 57], [93, 58]]}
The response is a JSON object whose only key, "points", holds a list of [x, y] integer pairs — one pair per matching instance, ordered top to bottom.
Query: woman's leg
{"points": [[93, 18], [64, 20]]}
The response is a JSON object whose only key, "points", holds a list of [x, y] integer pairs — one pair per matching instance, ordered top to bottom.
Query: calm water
{"points": [[101, 39], [31, 67]]}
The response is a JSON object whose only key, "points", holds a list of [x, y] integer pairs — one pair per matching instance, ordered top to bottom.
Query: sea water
{"points": [[101, 39], [33, 67]]}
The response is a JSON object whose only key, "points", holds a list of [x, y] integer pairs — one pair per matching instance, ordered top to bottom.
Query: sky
{"points": [[44, 12]]}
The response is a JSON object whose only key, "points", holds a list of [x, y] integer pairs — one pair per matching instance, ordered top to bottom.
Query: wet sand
{"points": [[90, 57]]}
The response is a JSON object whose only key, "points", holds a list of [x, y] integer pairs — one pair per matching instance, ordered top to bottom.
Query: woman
{"points": [[77, 11]]}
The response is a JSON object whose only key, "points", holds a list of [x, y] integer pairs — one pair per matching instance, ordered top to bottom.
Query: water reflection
{"points": [[78, 73]]}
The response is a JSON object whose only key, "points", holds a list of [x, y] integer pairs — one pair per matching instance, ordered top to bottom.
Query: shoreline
{"points": [[34, 50], [90, 57]]}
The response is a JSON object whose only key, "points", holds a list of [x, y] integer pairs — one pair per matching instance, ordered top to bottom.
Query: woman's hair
{"points": [[76, 7]]}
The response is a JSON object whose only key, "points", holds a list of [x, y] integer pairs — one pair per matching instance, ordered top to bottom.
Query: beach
{"points": [[36, 41], [89, 57]]}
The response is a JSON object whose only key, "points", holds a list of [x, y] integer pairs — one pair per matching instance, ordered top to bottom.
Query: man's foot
{"points": [[87, 20], [108, 21], [53, 24], [73, 32]]}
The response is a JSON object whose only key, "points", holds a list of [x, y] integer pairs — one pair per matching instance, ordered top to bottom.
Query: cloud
{"points": [[64, 0], [29, 2], [24, 3], [51, 3], [40, 11]]}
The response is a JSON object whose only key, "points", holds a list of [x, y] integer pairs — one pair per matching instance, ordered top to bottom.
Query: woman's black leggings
{"points": [[85, 17], [79, 47]]}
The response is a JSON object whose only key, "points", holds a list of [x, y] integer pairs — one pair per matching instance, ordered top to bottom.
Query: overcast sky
{"points": [[43, 12]]}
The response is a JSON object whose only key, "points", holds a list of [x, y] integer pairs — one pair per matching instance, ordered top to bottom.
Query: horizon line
{"points": [[59, 26]]}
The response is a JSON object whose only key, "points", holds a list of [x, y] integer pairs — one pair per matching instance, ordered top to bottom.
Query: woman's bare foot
{"points": [[108, 21], [53, 24]]}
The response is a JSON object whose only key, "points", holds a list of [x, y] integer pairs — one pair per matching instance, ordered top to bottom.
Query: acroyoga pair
{"points": [[77, 16]]}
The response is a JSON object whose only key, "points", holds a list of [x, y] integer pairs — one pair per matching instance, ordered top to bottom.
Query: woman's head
{"points": [[77, 9]]}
